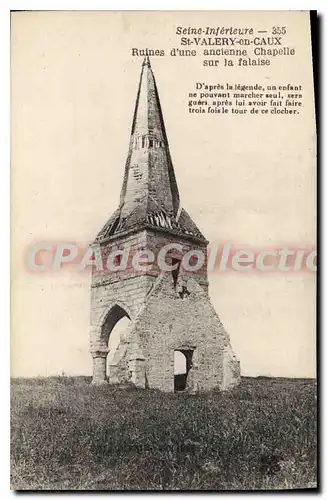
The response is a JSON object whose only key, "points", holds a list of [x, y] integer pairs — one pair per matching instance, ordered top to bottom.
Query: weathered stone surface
{"points": [[168, 310]]}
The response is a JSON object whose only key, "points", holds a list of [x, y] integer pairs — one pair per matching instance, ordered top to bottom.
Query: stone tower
{"points": [[168, 304]]}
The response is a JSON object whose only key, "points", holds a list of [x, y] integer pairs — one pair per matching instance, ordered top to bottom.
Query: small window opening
{"points": [[117, 260], [194, 260], [175, 272], [182, 367]]}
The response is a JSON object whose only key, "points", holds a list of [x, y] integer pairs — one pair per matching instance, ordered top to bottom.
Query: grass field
{"points": [[68, 435]]}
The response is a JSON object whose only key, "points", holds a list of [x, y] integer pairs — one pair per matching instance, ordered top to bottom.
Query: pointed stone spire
{"points": [[149, 175], [149, 194]]}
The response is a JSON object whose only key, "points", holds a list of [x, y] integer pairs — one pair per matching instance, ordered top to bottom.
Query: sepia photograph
{"points": [[163, 251]]}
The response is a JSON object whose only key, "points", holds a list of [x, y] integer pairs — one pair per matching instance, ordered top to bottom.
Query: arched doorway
{"points": [[114, 326], [116, 333], [182, 366]]}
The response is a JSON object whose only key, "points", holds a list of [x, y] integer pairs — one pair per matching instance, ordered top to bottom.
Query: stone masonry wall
{"points": [[157, 240], [129, 287], [126, 289], [163, 320], [168, 323]]}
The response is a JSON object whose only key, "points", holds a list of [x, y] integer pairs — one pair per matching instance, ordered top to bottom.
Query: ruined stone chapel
{"points": [[169, 310]]}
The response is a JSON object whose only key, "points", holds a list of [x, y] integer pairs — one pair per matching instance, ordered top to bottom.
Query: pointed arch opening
{"points": [[114, 326]]}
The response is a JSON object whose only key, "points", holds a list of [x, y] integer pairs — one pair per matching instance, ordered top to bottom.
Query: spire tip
{"points": [[146, 62]]}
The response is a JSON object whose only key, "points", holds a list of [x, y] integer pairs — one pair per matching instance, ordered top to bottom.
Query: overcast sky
{"points": [[249, 181]]}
